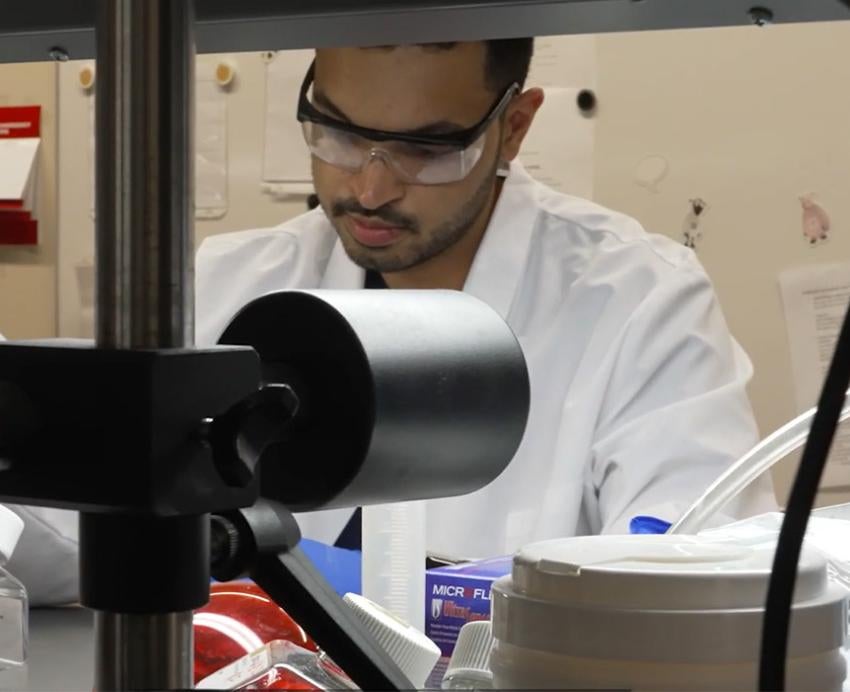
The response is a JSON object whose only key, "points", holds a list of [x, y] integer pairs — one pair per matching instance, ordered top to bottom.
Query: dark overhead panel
{"points": [[41, 29]]}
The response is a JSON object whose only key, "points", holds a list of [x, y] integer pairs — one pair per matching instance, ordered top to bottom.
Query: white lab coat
{"points": [[638, 390], [46, 556]]}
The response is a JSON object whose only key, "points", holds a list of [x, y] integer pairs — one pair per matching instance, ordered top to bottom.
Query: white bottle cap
{"points": [[11, 527], [411, 650], [471, 657]]}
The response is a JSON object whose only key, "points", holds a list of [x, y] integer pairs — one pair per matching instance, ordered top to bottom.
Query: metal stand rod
{"points": [[145, 87], [144, 185], [143, 576], [142, 652]]}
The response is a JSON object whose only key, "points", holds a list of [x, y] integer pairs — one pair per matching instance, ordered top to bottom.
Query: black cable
{"points": [[780, 592]]}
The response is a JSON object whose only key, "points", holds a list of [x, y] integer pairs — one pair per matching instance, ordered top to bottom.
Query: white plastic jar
{"points": [[657, 613]]}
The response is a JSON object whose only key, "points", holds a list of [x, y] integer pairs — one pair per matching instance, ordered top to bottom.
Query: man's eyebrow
{"points": [[324, 102], [440, 127]]}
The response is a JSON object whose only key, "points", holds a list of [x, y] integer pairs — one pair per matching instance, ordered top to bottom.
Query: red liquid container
{"points": [[239, 618]]}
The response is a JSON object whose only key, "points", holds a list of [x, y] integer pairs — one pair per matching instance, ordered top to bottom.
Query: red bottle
{"points": [[239, 618]]}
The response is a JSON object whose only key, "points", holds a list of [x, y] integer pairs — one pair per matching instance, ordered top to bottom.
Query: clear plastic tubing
{"points": [[737, 477]]}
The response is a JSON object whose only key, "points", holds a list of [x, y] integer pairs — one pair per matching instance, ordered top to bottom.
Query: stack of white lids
{"points": [[686, 599]]}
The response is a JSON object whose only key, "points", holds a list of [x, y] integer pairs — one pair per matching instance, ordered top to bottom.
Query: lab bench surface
{"points": [[61, 649]]}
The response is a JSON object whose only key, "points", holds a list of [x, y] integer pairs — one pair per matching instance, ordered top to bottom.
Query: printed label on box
{"points": [[455, 595]]}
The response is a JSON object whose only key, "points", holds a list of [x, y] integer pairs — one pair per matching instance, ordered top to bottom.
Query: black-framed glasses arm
{"points": [[460, 139]]}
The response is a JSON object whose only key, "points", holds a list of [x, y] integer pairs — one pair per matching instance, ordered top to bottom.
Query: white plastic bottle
{"points": [[393, 569], [13, 608], [412, 651], [469, 667]]}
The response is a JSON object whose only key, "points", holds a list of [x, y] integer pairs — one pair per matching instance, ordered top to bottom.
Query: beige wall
{"points": [[748, 119], [28, 274]]}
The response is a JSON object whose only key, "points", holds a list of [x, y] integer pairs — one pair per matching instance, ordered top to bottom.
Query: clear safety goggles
{"points": [[417, 159]]}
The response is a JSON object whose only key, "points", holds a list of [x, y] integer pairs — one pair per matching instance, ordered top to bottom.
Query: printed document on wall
{"points": [[564, 61], [210, 149], [558, 149], [286, 164], [211, 165], [815, 300]]}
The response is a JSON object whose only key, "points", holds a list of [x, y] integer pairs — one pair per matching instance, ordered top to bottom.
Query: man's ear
{"points": [[518, 118]]}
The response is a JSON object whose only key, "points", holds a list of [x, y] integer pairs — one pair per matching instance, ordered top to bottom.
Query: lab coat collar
{"points": [[501, 257], [499, 262], [341, 272]]}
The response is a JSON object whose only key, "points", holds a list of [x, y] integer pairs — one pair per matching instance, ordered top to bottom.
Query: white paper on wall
{"points": [[564, 61], [90, 97], [210, 149], [558, 149], [286, 160], [211, 167], [17, 168], [84, 272], [815, 300]]}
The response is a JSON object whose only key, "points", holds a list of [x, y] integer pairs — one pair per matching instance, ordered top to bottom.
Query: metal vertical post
{"points": [[145, 86], [144, 184]]}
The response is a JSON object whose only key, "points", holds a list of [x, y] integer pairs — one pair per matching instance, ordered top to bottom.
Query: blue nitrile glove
{"points": [[648, 525], [339, 566]]}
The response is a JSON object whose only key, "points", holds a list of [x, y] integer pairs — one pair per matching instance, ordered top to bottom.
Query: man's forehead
{"points": [[469, 55], [404, 87]]}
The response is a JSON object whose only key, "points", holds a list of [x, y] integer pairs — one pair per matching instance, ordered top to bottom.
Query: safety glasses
{"points": [[415, 158]]}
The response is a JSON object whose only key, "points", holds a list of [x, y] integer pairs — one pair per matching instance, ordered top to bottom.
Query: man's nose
{"points": [[376, 184]]}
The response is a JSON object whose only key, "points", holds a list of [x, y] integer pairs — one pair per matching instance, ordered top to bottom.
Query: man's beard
{"points": [[418, 247]]}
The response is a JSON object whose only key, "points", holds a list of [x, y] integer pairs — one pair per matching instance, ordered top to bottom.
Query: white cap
{"points": [[11, 527], [671, 598], [412, 651], [471, 657]]}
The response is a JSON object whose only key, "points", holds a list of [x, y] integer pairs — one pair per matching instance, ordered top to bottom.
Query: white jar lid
{"points": [[11, 527], [658, 597], [412, 651], [471, 655]]}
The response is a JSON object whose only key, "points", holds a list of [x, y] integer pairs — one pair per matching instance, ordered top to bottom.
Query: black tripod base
{"points": [[262, 541]]}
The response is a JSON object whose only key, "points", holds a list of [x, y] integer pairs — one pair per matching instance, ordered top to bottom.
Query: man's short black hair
{"points": [[508, 60]]}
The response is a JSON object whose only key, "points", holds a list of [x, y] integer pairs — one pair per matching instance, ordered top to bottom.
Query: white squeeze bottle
{"points": [[393, 570]]}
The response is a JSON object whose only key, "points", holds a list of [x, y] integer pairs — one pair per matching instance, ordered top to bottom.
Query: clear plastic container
{"points": [[394, 559], [13, 609], [279, 665]]}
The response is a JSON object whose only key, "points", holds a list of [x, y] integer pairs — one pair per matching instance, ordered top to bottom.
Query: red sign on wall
{"points": [[20, 121], [20, 132]]}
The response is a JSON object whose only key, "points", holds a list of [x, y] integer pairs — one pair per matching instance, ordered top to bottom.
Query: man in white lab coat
{"points": [[637, 387], [638, 390]]}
